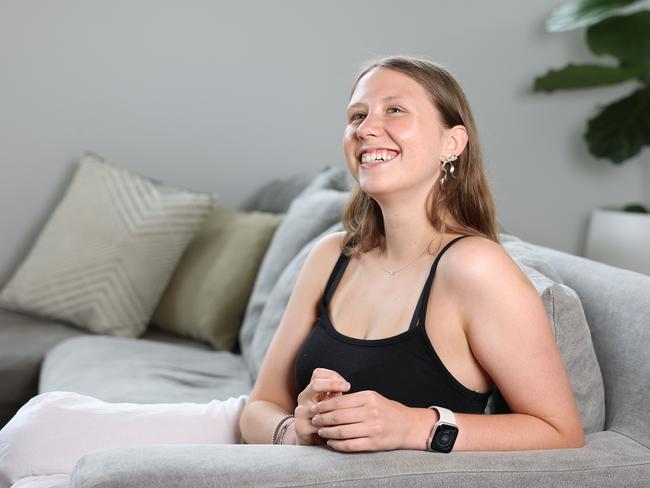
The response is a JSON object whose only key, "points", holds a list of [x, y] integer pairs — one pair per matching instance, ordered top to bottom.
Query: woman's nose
{"points": [[370, 126]]}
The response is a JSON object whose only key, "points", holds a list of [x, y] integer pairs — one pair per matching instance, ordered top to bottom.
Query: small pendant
{"points": [[391, 273]]}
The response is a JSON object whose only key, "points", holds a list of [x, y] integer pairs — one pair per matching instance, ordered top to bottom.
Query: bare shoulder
{"points": [[331, 242], [327, 249], [321, 260], [477, 262]]}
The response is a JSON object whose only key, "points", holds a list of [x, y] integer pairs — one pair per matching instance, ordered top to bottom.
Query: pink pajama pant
{"points": [[41, 444]]}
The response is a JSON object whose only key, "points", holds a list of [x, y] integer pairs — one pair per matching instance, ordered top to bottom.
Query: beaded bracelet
{"points": [[284, 429], [274, 438]]}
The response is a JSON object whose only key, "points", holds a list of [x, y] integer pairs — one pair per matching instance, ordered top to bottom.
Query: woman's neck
{"points": [[407, 235]]}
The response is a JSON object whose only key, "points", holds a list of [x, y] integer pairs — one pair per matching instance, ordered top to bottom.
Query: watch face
{"points": [[444, 438]]}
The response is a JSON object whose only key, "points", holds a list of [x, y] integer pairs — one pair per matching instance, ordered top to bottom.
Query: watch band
{"points": [[446, 415], [447, 421]]}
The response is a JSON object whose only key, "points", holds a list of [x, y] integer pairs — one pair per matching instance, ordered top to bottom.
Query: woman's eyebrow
{"points": [[392, 97]]}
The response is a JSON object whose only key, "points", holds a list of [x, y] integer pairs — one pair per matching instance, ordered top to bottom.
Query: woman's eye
{"points": [[353, 117]]}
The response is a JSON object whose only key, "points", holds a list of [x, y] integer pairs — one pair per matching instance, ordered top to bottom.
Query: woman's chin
{"points": [[375, 190]]}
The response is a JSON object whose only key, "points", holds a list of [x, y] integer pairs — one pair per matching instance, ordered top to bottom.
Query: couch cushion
{"points": [[276, 195], [317, 208], [105, 255], [526, 255], [207, 296], [277, 302], [617, 306], [571, 331], [155, 333], [573, 339], [24, 341], [117, 369]]}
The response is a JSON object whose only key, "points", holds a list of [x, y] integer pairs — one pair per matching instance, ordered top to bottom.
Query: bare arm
{"points": [[509, 333], [275, 392]]}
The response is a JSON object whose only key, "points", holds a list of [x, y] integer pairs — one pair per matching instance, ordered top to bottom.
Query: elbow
{"points": [[569, 431], [569, 435], [577, 437], [573, 439], [577, 440]]}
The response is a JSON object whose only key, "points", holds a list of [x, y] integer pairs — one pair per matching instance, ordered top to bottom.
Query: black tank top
{"points": [[404, 368]]}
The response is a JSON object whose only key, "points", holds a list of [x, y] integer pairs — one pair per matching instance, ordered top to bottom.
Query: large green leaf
{"points": [[582, 13], [626, 37], [575, 76], [622, 128], [635, 208]]}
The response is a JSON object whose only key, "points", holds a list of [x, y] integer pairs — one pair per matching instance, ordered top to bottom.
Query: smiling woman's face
{"points": [[390, 110]]}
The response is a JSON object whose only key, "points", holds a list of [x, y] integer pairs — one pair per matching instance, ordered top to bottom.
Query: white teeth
{"points": [[369, 157]]}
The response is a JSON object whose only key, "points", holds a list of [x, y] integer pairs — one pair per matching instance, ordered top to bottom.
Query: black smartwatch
{"points": [[444, 432]]}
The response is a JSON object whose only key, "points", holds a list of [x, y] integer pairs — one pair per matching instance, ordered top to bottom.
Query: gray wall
{"points": [[224, 96]]}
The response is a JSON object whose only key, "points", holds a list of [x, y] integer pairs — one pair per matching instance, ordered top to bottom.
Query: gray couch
{"points": [[608, 362]]}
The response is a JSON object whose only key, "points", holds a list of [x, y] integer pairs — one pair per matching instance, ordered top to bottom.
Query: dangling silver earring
{"points": [[451, 170]]}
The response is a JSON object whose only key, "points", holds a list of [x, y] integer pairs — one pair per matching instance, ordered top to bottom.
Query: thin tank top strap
{"points": [[335, 276], [419, 315]]}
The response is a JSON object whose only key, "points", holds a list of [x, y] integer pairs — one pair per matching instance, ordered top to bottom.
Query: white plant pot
{"points": [[620, 238]]}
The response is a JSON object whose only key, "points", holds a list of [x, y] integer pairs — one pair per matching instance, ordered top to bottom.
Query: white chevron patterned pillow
{"points": [[108, 250]]}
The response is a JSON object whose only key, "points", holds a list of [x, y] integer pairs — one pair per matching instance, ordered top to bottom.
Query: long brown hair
{"points": [[467, 197]]}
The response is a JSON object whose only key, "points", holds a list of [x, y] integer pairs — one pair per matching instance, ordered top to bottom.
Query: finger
{"points": [[326, 373], [322, 385], [317, 390], [331, 394], [312, 395], [327, 395], [350, 400], [303, 411], [339, 417], [304, 427], [347, 431], [350, 445]]}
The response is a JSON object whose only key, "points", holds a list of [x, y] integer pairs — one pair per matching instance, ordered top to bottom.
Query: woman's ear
{"points": [[456, 140]]}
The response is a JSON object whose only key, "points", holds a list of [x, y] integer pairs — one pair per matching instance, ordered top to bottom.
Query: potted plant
{"points": [[619, 236]]}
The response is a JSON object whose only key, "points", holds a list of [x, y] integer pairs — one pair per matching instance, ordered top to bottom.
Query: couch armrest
{"points": [[606, 455]]}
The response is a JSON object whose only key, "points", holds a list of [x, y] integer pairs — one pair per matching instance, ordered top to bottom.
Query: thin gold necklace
{"points": [[391, 273]]}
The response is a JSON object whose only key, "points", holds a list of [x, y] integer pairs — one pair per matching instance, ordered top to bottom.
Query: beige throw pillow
{"points": [[108, 250], [207, 296]]}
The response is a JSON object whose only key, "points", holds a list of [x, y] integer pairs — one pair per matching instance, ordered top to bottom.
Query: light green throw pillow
{"points": [[208, 293]]}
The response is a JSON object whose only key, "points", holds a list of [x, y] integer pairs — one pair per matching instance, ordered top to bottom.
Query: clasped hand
{"points": [[360, 421]]}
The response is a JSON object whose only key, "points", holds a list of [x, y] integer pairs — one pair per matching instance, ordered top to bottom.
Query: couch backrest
{"points": [[312, 213], [617, 306]]}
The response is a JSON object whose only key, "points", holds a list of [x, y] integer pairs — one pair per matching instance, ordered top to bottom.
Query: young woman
{"points": [[369, 339]]}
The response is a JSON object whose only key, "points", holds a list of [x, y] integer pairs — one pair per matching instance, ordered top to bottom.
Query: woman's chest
{"points": [[365, 306]]}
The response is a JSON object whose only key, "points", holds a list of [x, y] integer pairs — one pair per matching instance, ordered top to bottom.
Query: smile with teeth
{"points": [[377, 157]]}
